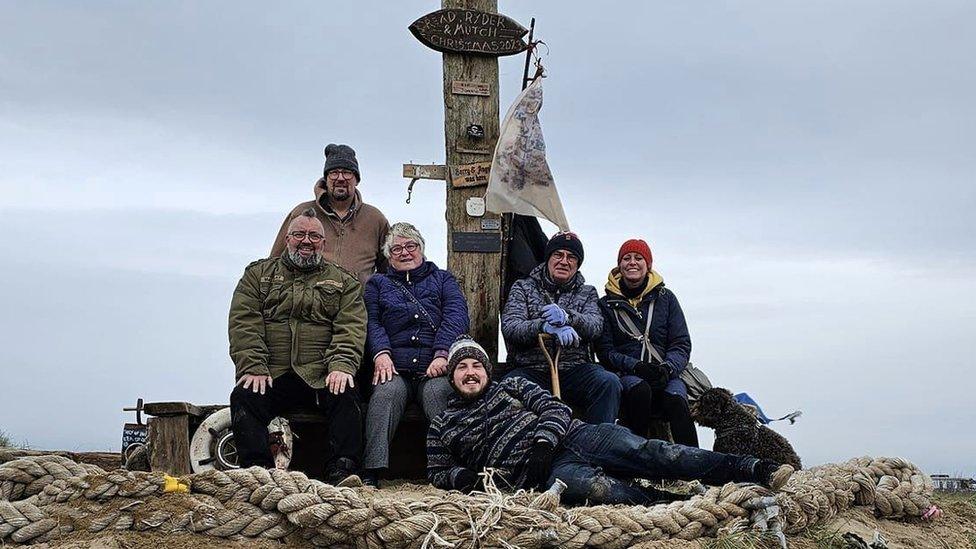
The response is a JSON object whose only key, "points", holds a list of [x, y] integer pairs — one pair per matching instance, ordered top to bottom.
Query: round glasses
{"points": [[341, 174], [301, 235], [409, 247]]}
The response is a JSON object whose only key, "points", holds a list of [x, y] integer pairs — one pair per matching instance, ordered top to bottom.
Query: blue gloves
{"points": [[555, 315], [566, 335]]}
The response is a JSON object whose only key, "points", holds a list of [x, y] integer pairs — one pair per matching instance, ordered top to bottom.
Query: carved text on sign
{"points": [[470, 31], [460, 87], [470, 175]]}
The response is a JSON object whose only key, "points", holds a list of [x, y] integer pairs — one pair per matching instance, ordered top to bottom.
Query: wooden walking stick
{"points": [[553, 363]]}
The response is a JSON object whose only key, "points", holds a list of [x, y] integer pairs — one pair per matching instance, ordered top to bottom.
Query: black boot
{"points": [[341, 471], [371, 477]]}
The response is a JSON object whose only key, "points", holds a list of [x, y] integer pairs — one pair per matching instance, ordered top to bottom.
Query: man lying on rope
{"points": [[530, 439]]}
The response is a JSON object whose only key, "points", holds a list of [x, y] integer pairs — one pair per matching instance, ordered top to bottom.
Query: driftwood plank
{"points": [[171, 409]]}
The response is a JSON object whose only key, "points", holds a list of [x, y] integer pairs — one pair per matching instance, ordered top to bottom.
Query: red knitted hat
{"points": [[638, 246]]}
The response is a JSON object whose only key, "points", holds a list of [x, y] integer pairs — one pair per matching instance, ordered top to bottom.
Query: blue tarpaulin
{"points": [[745, 399]]}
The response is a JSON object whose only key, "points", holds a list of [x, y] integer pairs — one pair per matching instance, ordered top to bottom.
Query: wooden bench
{"points": [[173, 423]]}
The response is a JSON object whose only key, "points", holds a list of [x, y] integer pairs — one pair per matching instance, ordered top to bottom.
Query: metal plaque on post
{"points": [[456, 30], [487, 242]]}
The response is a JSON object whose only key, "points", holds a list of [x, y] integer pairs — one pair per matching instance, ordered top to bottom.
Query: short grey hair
{"points": [[306, 213], [403, 230]]}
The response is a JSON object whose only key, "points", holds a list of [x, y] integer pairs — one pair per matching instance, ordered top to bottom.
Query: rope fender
{"points": [[45, 497]]}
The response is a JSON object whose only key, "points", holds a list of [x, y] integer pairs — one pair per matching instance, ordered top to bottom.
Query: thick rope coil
{"points": [[27, 476], [46, 497]]}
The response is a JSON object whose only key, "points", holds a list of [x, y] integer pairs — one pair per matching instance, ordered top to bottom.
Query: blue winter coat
{"points": [[396, 324], [619, 352]]}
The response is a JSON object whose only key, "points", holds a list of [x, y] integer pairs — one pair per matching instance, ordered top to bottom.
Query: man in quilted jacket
{"points": [[555, 300]]}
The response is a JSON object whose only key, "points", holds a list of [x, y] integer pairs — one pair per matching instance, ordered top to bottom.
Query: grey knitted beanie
{"points": [[341, 156], [462, 348]]}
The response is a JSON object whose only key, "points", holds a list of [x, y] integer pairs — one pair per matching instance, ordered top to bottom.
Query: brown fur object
{"points": [[738, 432]]}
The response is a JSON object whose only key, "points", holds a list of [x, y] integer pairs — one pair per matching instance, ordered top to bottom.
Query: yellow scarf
{"points": [[613, 285]]}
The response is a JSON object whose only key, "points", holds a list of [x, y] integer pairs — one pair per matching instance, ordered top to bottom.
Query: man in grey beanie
{"points": [[354, 230], [530, 439]]}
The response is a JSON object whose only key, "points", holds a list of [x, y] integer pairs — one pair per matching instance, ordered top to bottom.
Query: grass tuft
{"points": [[4, 439], [825, 538]]}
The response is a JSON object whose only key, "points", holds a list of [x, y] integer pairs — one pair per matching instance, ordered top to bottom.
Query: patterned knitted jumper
{"points": [[495, 430]]}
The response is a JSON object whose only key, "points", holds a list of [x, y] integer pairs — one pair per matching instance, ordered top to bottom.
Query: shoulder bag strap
{"points": [[412, 298], [628, 326], [647, 333]]}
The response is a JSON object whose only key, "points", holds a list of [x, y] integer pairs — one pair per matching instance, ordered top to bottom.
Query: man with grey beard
{"points": [[297, 329]]}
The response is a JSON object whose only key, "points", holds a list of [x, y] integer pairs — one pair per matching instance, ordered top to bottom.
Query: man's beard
{"points": [[340, 194], [304, 262], [473, 396]]}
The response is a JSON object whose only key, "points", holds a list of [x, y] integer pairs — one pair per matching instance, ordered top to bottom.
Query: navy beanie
{"points": [[341, 157], [565, 241]]}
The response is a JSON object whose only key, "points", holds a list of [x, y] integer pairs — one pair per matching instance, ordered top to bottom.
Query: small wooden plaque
{"points": [[460, 87], [424, 171], [470, 175]]}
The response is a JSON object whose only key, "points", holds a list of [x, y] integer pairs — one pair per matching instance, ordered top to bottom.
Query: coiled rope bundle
{"points": [[43, 498]]}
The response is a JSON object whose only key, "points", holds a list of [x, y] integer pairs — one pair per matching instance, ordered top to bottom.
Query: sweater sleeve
{"points": [[382, 263], [454, 313], [587, 320], [517, 328], [554, 416], [442, 469]]}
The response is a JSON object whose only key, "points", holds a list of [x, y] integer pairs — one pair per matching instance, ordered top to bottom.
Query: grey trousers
{"points": [[386, 407]]}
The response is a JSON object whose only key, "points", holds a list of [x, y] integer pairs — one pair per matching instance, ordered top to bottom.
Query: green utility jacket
{"points": [[313, 323]]}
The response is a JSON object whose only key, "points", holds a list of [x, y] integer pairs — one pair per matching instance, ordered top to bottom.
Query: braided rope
{"points": [[25, 477], [47, 497]]}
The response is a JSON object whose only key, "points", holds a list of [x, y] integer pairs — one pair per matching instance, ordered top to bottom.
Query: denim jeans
{"points": [[589, 386], [593, 459]]}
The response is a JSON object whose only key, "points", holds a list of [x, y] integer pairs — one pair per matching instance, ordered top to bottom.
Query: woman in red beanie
{"points": [[645, 341]]}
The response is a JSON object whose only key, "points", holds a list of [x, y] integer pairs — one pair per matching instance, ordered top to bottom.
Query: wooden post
{"points": [[478, 273], [169, 436]]}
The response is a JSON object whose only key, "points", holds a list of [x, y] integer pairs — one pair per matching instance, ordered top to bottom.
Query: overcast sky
{"points": [[803, 171]]}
